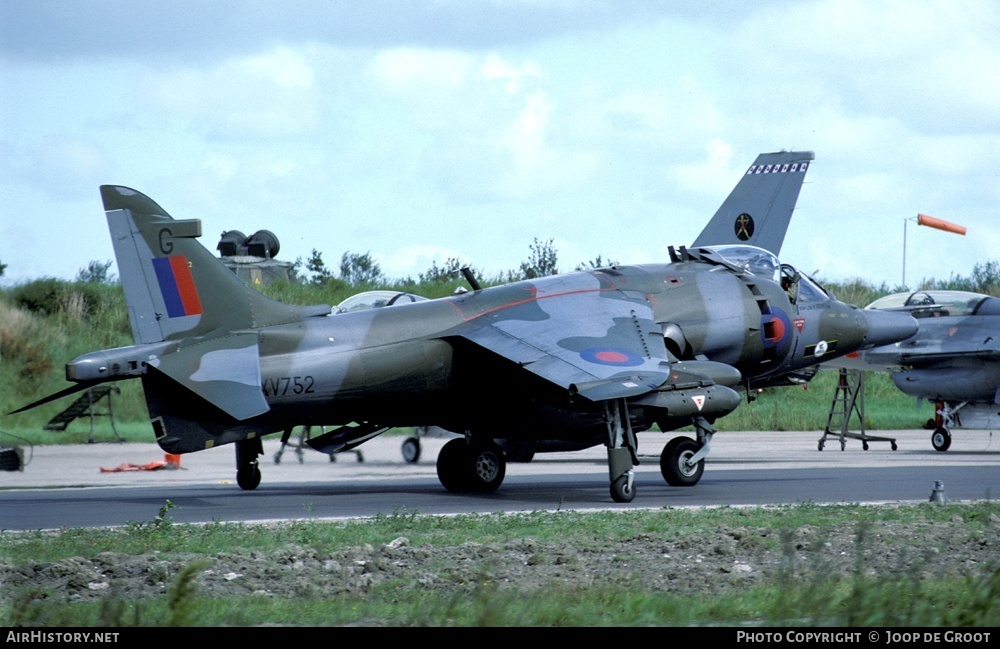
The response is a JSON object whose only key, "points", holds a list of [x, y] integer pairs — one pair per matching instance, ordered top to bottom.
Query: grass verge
{"points": [[460, 582]]}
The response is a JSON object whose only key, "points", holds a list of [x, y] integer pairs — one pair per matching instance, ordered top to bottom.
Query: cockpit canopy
{"points": [[752, 259], [801, 288], [375, 299], [929, 304]]}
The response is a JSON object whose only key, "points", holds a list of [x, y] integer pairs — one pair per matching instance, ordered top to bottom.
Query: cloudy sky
{"points": [[419, 131]]}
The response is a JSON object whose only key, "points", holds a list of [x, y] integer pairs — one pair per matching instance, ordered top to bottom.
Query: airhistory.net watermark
{"points": [[53, 637]]}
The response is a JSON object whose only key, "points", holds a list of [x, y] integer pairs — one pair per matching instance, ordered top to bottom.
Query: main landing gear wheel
{"points": [[941, 439], [411, 450], [674, 463], [450, 464], [489, 466], [477, 467], [622, 489]]}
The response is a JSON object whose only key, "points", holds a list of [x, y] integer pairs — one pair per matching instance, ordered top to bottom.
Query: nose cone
{"points": [[888, 327]]}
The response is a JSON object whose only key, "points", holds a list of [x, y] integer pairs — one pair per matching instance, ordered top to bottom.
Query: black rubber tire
{"points": [[941, 439], [411, 450], [671, 463], [247, 464], [452, 465], [249, 478], [620, 490]]}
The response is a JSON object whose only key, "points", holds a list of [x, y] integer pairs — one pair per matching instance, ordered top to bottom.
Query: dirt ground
{"points": [[727, 558]]}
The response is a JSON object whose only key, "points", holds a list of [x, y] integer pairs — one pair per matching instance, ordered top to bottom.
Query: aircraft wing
{"points": [[600, 344]]}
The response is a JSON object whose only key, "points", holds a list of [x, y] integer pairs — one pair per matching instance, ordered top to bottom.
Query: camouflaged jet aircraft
{"points": [[587, 357]]}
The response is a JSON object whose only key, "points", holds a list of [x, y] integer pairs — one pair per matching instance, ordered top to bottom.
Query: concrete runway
{"points": [[100, 464], [88, 486]]}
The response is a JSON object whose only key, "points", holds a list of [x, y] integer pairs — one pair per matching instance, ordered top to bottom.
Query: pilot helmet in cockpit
{"points": [[762, 265]]}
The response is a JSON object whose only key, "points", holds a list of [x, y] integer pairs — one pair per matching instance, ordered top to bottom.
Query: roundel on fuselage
{"points": [[775, 329]]}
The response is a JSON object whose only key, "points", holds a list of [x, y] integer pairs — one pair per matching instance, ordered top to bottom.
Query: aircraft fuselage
{"points": [[398, 365]]}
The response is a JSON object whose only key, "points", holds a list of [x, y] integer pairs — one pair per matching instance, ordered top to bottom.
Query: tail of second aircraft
{"points": [[758, 210]]}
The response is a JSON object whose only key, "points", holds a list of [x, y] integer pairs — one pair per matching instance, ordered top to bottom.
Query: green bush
{"points": [[52, 296]]}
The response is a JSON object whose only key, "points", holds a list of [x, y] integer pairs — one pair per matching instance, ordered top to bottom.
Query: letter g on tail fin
{"points": [[156, 258], [174, 287]]}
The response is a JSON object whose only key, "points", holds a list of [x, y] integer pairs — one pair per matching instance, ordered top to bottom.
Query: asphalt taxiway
{"points": [[114, 464]]}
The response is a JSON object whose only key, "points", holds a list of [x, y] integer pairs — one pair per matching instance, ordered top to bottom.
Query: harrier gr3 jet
{"points": [[586, 358]]}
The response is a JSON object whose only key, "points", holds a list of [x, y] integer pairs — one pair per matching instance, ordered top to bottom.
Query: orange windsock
{"points": [[931, 222]]}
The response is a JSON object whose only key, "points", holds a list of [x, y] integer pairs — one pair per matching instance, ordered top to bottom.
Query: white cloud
{"points": [[933, 66], [282, 67], [408, 69], [512, 77], [269, 95], [358, 132], [526, 138], [68, 161], [221, 167], [711, 174]]}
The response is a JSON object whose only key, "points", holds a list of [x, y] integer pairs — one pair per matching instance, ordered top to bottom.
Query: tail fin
{"points": [[758, 210], [174, 287], [193, 321]]}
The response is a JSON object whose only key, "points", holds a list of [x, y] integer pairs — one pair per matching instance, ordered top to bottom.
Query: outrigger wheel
{"points": [[411, 450], [623, 488]]}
